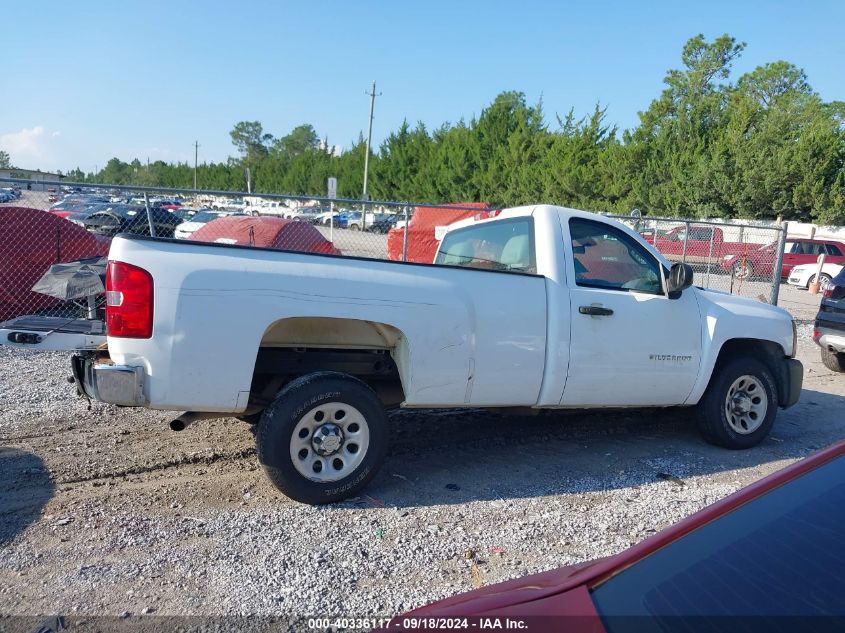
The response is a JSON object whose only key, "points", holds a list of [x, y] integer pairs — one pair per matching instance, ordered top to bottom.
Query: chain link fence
{"points": [[65, 223], [741, 259]]}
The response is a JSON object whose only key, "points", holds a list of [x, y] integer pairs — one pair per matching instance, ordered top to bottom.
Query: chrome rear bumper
{"points": [[106, 382]]}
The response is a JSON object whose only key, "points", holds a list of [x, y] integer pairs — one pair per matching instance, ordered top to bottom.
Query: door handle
{"points": [[595, 311]]}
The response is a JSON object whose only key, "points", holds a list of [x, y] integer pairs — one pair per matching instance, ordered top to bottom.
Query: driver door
{"points": [[630, 344]]}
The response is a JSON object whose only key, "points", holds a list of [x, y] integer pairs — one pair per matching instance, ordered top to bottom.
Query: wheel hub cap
{"points": [[741, 403], [746, 405], [327, 439], [329, 442]]}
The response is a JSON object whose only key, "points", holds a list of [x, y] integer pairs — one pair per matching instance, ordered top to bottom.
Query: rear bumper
{"points": [[831, 330], [831, 340], [790, 380], [106, 382]]}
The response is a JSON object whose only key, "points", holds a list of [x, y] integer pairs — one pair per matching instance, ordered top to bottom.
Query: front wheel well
{"points": [[769, 353]]}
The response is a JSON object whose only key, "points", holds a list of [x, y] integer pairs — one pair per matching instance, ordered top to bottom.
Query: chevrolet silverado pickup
{"points": [[540, 307]]}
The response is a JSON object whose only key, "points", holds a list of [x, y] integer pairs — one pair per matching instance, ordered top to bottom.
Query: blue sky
{"points": [[89, 80]]}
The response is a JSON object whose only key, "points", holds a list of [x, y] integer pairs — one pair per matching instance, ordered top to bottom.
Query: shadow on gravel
{"points": [[455, 457], [25, 487]]}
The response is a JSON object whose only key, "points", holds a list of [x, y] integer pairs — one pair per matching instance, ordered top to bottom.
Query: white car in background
{"points": [[268, 207], [324, 218], [185, 230], [804, 274]]}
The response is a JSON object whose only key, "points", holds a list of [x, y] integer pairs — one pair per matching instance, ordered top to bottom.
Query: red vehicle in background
{"points": [[423, 227], [265, 232], [697, 244], [23, 259], [761, 261], [758, 560]]}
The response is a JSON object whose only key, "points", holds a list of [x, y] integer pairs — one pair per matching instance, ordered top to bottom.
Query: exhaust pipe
{"points": [[189, 417]]}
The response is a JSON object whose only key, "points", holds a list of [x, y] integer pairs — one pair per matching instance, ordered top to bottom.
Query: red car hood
{"points": [[566, 590], [512, 593]]}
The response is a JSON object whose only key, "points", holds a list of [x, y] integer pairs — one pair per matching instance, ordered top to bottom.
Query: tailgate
{"points": [[45, 333]]}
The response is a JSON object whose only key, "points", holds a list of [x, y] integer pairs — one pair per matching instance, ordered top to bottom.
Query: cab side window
{"points": [[503, 245], [606, 257]]}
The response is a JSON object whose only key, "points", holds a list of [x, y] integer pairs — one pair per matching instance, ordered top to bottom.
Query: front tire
{"points": [[834, 361], [739, 407], [323, 438]]}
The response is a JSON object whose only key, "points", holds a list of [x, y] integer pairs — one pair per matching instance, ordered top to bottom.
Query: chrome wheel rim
{"points": [[824, 283], [746, 404], [329, 442]]}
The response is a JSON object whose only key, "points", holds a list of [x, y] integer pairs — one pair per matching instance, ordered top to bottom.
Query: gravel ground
{"points": [[104, 511]]}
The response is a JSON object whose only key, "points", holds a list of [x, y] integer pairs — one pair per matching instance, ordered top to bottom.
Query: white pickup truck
{"points": [[541, 307]]}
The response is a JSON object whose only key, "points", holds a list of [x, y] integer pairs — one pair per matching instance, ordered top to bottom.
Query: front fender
{"points": [[747, 326]]}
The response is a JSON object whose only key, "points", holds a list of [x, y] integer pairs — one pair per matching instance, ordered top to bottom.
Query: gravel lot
{"points": [[104, 511]]}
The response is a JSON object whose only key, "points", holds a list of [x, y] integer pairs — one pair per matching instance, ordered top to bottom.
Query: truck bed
{"points": [[457, 335]]}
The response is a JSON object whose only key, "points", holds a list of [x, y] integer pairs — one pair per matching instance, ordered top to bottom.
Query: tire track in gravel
{"points": [[423, 432], [172, 463]]}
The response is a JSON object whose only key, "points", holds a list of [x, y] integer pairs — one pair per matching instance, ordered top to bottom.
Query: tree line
{"points": [[761, 146]]}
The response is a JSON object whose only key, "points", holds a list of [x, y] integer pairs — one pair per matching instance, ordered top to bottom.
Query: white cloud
{"points": [[24, 142], [31, 148]]}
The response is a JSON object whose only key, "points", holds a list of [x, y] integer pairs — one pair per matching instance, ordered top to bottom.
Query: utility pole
{"points": [[373, 96], [196, 154]]}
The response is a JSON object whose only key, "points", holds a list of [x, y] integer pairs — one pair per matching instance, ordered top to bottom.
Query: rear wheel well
{"points": [[275, 367]]}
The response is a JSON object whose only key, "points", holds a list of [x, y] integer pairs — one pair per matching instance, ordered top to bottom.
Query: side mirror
{"points": [[680, 278]]}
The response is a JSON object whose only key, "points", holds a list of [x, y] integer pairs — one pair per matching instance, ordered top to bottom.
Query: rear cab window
{"points": [[500, 245]]}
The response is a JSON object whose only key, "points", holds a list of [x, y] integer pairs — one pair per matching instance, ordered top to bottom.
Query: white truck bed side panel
{"points": [[472, 337]]}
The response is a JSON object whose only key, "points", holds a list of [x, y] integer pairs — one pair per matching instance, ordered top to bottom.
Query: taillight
{"points": [[828, 293], [129, 301], [816, 335]]}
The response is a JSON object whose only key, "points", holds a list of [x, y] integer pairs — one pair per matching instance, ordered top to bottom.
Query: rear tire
{"points": [[834, 361], [739, 407], [323, 438]]}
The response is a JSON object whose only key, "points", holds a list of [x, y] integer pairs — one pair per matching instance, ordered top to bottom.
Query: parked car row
{"points": [[9, 194], [375, 222], [192, 223]]}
